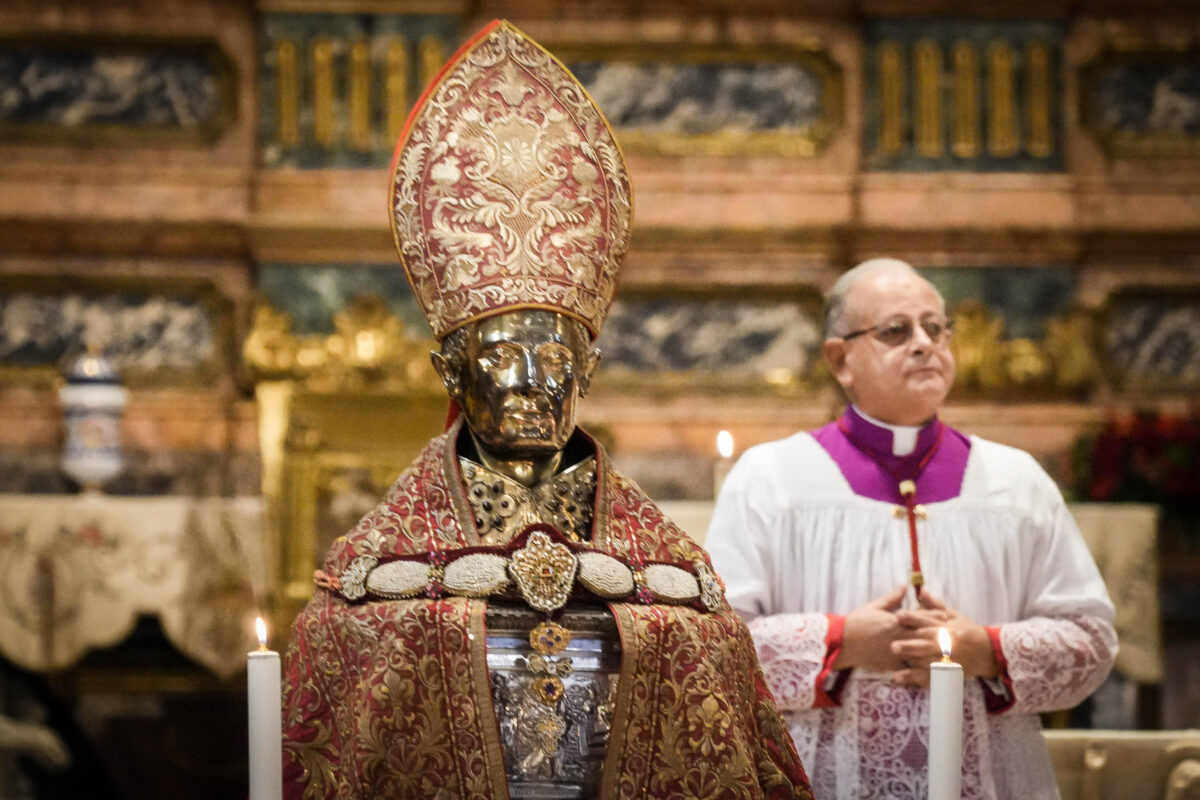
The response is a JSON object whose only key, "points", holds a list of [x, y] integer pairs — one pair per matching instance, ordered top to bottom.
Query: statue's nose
{"points": [[528, 376]]}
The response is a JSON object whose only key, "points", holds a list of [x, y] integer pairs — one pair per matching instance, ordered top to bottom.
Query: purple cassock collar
{"points": [[862, 450]]}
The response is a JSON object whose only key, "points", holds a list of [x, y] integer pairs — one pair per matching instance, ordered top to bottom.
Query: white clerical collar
{"points": [[904, 437]]}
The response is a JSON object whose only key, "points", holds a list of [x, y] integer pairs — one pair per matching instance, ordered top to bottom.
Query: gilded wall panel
{"points": [[335, 89], [957, 94], [313, 294], [1019, 332], [664, 337]]}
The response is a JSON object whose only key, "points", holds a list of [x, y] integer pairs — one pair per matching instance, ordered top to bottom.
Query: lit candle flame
{"points": [[725, 444], [260, 627], [944, 643]]}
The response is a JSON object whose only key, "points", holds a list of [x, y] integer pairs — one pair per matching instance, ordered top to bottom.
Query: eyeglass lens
{"points": [[900, 330]]}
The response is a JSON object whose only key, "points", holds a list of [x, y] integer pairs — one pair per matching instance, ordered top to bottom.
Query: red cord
{"points": [[909, 498]]}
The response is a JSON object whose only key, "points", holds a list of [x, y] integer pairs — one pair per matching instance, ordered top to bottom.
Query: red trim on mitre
{"points": [[450, 64]]}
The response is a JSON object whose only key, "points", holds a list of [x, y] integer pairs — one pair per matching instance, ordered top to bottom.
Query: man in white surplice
{"points": [[847, 547]]}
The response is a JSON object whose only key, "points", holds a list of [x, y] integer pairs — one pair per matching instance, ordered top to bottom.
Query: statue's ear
{"points": [[589, 368], [447, 370]]}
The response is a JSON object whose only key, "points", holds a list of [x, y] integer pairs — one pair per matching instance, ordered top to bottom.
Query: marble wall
{"points": [[92, 87], [713, 100], [1144, 102], [146, 335], [1152, 341]]}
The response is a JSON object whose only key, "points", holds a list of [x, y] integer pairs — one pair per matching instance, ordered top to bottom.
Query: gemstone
{"points": [[549, 638], [548, 690]]}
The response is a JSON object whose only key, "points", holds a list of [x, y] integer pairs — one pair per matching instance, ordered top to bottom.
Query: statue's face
{"points": [[520, 380]]}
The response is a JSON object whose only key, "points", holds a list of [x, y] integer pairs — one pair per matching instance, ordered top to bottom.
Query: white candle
{"points": [[724, 463], [264, 708], [945, 724]]}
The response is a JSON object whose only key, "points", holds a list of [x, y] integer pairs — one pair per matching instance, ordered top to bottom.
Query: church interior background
{"points": [[195, 190]]}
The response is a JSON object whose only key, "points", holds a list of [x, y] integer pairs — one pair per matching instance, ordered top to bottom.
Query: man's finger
{"points": [[892, 600], [930, 601], [911, 618], [916, 650], [911, 676]]}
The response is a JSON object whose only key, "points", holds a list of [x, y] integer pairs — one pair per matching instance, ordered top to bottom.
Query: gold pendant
{"points": [[544, 571], [549, 638], [548, 689]]}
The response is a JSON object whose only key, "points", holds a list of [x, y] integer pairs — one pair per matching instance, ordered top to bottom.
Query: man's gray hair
{"points": [[835, 303]]}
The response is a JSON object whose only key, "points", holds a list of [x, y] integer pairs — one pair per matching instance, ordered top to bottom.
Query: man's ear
{"points": [[835, 357], [589, 368], [448, 372]]}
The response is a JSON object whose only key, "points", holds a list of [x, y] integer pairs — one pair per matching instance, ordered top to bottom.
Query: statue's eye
{"points": [[499, 357]]}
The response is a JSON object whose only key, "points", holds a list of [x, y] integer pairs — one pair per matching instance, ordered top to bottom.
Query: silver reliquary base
{"points": [[554, 704]]}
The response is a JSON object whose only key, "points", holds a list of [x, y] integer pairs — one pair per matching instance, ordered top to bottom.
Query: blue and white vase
{"points": [[92, 399]]}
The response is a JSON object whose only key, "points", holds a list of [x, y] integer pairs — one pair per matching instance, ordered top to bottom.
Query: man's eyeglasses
{"points": [[898, 331]]}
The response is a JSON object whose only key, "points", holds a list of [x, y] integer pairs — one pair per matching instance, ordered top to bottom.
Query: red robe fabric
{"points": [[391, 699]]}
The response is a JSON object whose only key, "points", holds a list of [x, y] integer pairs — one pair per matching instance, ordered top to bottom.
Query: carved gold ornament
{"points": [[369, 347], [503, 507], [544, 572], [711, 592], [549, 638], [548, 687], [548, 690]]}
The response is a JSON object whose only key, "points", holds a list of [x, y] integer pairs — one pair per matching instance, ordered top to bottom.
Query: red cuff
{"points": [[833, 647], [992, 701]]}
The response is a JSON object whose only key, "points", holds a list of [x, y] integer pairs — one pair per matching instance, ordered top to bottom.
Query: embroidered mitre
{"points": [[508, 189]]}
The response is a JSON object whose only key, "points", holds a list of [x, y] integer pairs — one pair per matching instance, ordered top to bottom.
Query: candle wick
{"points": [[262, 647], [945, 658]]}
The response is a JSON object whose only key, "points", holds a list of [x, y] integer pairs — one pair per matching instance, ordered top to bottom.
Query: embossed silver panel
{"points": [[579, 721]]}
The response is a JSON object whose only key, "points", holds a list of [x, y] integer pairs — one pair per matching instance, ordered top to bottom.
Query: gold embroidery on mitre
{"points": [[509, 190], [544, 572]]}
